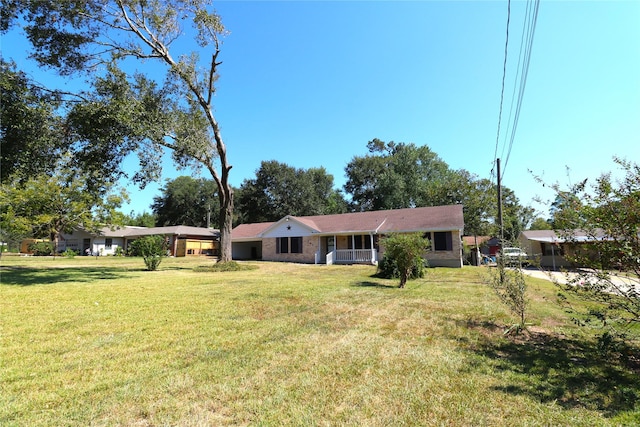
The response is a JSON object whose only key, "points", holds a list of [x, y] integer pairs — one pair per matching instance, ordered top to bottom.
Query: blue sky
{"points": [[309, 83]]}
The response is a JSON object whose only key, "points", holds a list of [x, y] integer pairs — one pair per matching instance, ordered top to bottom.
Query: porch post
{"points": [[353, 248], [373, 250]]}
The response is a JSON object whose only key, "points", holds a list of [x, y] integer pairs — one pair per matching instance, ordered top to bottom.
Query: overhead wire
{"points": [[531, 18], [522, 70], [504, 76]]}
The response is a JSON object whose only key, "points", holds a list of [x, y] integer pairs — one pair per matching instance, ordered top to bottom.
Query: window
{"points": [[360, 241], [442, 241], [107, 243], [284, 243], [296, 245]]}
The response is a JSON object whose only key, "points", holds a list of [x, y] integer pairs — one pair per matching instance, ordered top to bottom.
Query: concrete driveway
{"points": [[619, 284]]}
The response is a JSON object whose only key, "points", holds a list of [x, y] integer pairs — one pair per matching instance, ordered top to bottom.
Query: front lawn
{"points": [[89, 341]]}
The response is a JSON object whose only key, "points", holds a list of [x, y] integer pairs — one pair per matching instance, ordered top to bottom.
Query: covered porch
{"points": [[348, 249]]}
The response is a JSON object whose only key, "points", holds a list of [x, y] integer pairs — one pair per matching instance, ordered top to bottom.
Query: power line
{"points": [[531, 18], [522, 69], [504, 75]]}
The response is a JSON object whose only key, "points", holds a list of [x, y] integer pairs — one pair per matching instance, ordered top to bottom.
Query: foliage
{"points": [[133, 111], [31, 130], [395, 175], [399, 175], [279, 190], [186, 201], [46, 206], [608, 218], [144, 219], [540, 224], [41, 248], [151, 248], [69, 253], [404, 254], [225, 266], [388, 269], [511, 287]]}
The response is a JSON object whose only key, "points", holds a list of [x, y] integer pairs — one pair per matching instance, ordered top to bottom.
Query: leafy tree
{"points": [[129, 111], [31, 139], [395, 175], [398, 175], [279, 190], [186, 201], [46, 206], [565, 209], [608, 213], [516, 218], [144, 219], [540, 224], [151, 248], [404, 252]]}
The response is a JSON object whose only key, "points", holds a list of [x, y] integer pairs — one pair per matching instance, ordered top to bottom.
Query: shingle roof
{"points": [[432, 218], [180, 230], [248, 231], [551, 236]]}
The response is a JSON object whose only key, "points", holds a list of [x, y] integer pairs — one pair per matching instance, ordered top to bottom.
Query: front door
{"points": [[331, 244], [86, 246]]}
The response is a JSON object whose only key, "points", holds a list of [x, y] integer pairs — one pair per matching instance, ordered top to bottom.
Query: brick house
{"points": [[351, 238]]}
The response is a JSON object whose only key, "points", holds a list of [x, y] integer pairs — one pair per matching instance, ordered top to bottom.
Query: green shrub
{"points": [[41, 248], [151, 248], [69, 253], [404, 256], [388, 269]]}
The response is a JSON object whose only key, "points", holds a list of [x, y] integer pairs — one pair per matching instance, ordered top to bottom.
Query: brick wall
{"points": [[308, 255]]}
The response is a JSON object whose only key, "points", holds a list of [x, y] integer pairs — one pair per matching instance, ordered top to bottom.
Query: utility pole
{"points": [[500, 223]]}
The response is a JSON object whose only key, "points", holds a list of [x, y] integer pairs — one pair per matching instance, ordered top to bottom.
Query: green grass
{"points": [[89, 341]]}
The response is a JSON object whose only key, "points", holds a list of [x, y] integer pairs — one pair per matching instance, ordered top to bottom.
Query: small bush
{"points": [[41, 248], [151, 248], [404, 252], [69, 253], [388, 269]]}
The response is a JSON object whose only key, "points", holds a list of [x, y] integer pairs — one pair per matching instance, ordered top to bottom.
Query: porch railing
{"points": [[349, 256]]}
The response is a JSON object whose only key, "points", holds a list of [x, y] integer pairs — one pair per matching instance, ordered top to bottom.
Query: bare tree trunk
{"points": [[226, 225]]}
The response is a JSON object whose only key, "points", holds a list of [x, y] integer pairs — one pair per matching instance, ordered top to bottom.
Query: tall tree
{"points": [[80, 36], [31, 140], [395, 175], [398, 175], [279, 190], [186, 201]]}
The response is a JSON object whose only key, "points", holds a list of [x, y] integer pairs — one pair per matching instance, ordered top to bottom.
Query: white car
{"points": [[514, 256]]}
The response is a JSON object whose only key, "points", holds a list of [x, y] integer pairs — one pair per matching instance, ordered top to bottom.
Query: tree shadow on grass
{"points": [[21, 276], [368, 284], [573, 373]]}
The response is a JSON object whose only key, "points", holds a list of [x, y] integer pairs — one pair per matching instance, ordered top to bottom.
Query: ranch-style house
{"points": [[351, 238]]}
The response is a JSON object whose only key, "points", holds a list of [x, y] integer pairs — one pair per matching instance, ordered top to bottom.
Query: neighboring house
{"points": [[352, 237], [182, 240], [478, 247], [548, 247]]}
